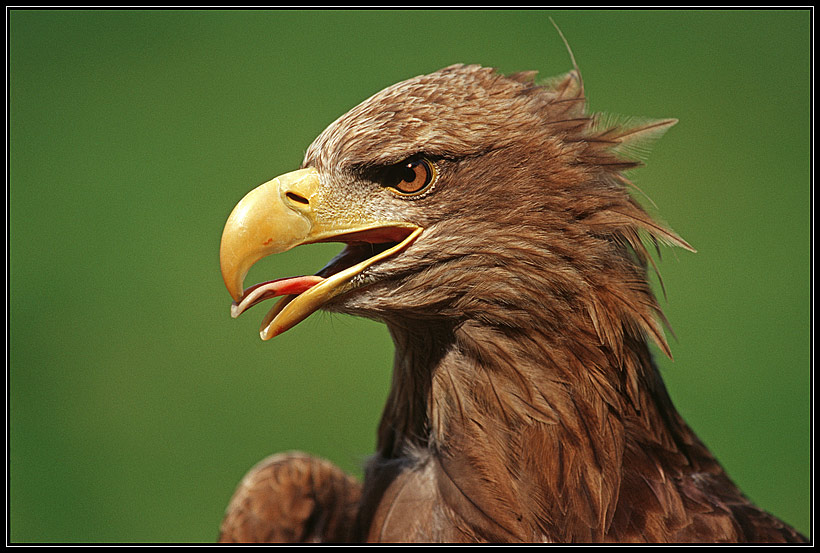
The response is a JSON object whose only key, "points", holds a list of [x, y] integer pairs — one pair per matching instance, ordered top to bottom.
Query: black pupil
{"points": [[409, 173]]}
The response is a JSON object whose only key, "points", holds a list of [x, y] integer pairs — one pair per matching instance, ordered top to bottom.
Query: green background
{"points": [[136, 403]]}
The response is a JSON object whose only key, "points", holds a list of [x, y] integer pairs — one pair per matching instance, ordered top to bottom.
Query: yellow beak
{"points": [[279, 215]]}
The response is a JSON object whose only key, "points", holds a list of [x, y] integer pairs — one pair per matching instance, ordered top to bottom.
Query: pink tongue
{"points": [[291, 285], [273, 288]]}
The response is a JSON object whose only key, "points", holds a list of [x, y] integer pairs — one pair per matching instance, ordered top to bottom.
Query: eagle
{"points": [[488, 222]]}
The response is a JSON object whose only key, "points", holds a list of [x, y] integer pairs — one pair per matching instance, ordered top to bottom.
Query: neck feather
{"points": [[534, 412]]}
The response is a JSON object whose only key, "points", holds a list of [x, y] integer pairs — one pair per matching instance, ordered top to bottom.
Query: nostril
{"points": [[297, 198]]}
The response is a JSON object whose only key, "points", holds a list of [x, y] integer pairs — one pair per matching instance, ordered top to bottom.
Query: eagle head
{"points": [[449, 191]]}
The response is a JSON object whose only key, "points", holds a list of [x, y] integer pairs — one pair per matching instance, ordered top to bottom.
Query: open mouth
{"points": [[282, 214], [302, 295]]}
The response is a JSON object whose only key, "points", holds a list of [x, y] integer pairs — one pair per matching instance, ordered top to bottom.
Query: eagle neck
{"points": [[508, 414]]}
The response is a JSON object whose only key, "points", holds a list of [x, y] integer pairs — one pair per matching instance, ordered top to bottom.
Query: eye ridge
{"points": [[412, 176]]}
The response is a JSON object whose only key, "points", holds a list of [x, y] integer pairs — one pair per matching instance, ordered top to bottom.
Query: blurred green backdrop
{"points": [[137, 403]]}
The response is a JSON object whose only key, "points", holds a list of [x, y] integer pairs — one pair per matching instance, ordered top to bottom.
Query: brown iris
{"points": [[412, 176]]}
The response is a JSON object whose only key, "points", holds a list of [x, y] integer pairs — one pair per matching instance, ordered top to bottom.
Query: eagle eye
{"points": [[412, 176]]}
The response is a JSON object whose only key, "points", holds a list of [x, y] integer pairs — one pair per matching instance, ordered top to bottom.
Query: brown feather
{"points": [[292, 497]]}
